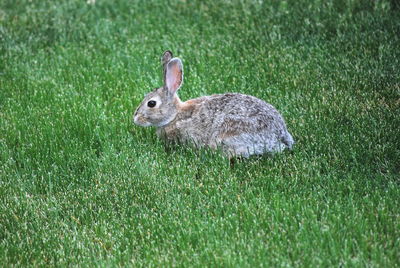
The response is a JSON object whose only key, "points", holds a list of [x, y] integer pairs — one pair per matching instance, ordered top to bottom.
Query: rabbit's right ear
{"points": [[173, 75]]}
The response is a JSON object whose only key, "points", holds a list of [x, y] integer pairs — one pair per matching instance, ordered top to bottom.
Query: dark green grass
{"points": [[80, 185]]}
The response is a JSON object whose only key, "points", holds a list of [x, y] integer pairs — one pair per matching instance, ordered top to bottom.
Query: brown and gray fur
{"points": [[238, 124]]}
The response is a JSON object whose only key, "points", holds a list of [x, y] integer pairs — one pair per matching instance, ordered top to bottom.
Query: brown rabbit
{"points": [[238, 124]]}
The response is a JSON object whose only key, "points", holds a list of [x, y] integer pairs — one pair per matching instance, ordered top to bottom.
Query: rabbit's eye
{"points": [[151, 103]]}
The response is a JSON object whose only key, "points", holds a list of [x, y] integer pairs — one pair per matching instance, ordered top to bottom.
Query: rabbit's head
{"points": [[160, 106]]}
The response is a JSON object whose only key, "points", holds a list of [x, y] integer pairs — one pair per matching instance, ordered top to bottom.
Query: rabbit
{"points": [[237, 124]]}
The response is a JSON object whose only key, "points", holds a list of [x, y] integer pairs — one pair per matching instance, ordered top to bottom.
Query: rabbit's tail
{"points": [[288, 140]]}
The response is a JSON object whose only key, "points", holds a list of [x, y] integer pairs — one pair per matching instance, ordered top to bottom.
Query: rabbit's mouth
{"points": [[140, 121]]}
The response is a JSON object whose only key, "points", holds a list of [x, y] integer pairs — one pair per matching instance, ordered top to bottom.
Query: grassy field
{"points": [[81, 185]]}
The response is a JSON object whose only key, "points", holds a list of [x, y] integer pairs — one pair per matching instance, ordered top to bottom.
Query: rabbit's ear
{"points": [[167, 56], [174, 75]]}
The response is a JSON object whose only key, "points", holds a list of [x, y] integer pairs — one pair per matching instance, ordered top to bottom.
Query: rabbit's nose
{"points": [[135, 119]]}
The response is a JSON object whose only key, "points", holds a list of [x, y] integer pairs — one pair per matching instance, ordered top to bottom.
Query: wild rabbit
{"points": [[237, 124]]}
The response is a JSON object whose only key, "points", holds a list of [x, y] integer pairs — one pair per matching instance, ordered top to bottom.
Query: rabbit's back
{"points": [[238, 124]]}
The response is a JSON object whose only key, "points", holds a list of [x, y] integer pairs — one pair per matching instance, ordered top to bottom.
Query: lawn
{"points": [[80, 185]]}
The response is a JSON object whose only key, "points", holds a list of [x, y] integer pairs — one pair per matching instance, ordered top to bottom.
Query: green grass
{"points": [[81, 185]]}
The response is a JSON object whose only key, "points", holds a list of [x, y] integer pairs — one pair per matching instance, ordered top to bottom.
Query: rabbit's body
{"points": [[238, 124]]}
